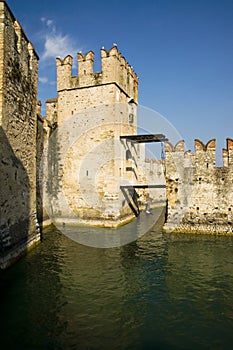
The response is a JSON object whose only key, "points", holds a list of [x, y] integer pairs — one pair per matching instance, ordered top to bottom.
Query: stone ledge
{"points": [[95, 222], [46, 223], [214, 229], [12, 256]]}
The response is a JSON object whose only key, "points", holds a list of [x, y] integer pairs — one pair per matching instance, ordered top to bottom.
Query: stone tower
{"points": [[116, 83], [18, 100], [92, 111]]}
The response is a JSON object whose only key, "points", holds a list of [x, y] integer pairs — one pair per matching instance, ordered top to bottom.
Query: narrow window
{"points": [[131, 118], [128, 154]]}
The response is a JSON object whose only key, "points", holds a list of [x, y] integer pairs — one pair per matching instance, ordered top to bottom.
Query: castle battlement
{"points": [[21, 39], [22, 42], [114, 70], [204, 154], [199, 192]]}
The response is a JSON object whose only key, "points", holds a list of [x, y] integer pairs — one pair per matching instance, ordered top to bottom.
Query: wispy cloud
{"points": [[48, 22], [57, 44], [43, 80]]}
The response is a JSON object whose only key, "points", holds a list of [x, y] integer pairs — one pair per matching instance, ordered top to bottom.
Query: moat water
{"points": [[163, 291]]}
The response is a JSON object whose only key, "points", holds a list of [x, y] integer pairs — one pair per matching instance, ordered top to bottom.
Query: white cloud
{"points": [[49, 22], [57, 44], [43, 80]]}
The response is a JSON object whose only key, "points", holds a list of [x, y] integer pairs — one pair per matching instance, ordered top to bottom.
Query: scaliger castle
{"points": [[84, 162]]}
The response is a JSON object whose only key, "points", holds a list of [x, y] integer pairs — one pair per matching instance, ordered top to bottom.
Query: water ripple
{"points": [[160, 292]]}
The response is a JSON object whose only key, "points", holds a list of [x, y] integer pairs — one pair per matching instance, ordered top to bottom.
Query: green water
{"points": [[160, 292]]}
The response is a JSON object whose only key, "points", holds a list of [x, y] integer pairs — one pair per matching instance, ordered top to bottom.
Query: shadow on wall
{"points": [[40, 135], [131, 197], [14, 203]]}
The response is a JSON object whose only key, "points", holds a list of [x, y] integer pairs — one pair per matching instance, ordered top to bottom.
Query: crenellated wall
{"points": [[114, 69], [116, 83], [199, 194], [19, 227]]}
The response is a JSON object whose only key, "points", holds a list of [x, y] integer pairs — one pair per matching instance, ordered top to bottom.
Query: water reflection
{"points": [[110, 238], [160, 292]]}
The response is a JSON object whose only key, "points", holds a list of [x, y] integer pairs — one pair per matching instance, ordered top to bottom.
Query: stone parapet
{"points": [[114, 70], [199, 194]]}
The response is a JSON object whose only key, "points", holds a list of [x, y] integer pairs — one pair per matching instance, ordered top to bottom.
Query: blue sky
{"points": [[181, 50]]}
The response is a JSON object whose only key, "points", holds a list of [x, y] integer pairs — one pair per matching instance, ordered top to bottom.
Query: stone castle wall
{"points": [[18, 126], [44, 130], [154, 171], [199, 194]]}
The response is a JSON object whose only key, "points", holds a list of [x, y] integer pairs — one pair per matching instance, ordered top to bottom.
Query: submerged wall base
{"points": [[95, 222], [213, 229], [15, 254]]}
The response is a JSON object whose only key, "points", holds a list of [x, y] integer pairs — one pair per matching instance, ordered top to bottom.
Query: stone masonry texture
{"points": [[18, 125], [199, 194]]}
